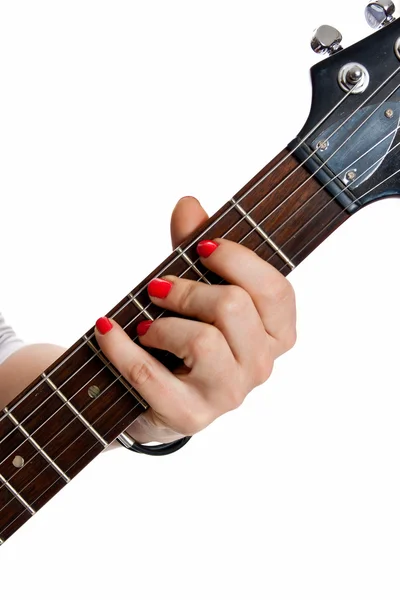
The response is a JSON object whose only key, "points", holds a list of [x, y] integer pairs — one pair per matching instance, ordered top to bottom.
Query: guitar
{"points": [[345, 157]]}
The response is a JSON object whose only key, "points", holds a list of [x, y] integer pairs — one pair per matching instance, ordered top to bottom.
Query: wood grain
{"points": [[289, 206]]}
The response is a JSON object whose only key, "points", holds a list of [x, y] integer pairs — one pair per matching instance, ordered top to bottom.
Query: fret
{"points": [[270, 187], [297, 209], [262, 233], [253, 242], [192, 265], [141, 307], [118, 377], [37, 408], [74, 410], [66, 417], [126, 419], [74, 437], [14, 443], [37, 446], [78, 453], [33, 480], [17, 495], [12, 517], [1, 541]]}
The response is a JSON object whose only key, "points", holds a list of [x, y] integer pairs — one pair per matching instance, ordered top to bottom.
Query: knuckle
{"points": [[280, 290], [185, 298], [235, 299], [290, 338], [205, 342], [263, 367], [140, 373], [236, 399]]}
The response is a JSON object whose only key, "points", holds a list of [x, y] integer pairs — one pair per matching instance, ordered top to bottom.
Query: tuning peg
{"points": [[380, 13], [326, 40]]}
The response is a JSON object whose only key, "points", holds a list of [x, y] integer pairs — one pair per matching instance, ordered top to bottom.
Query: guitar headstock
{"points": [[351, 139]]}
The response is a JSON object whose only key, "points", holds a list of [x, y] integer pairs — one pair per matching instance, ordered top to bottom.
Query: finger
{"points": [[187, 215], [270, 291], [229, 308], [204, 349], [154, 382]]}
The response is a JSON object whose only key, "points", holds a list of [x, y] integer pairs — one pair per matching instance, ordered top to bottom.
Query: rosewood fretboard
{"points": [[65, 418]]}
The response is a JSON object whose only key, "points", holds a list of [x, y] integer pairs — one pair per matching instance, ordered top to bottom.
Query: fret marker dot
{"points": [[94, 391], [18, 462]]}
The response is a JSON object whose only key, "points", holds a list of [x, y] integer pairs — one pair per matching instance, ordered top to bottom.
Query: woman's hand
{"points": [[243, 328]]}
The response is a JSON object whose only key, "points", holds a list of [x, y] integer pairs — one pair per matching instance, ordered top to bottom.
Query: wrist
{"points": [[144, 431]]}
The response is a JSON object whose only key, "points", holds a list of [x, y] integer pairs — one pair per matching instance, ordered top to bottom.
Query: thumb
{"points": [[187, 215]]}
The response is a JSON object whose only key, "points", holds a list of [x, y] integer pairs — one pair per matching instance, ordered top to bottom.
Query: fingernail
{"points": [[206, 247], [159, 288], [103, 325], [143, 327]]}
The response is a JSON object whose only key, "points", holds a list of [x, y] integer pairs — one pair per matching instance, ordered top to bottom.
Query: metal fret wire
{"points": [[322, 165], [255, 185], [347, 186], [238, 201], [344, 210], [144, 310], [63, 406], [73, 441], [38, 498]]}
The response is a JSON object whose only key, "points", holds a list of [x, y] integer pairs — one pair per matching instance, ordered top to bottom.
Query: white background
{"points": [[110, 112]]}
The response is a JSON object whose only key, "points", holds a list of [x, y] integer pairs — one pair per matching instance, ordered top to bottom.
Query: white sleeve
{"points": [[9, 342]]}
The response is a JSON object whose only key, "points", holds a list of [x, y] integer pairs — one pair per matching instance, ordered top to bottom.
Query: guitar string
{"points": [[264, 177], [346, 187], [292, 194], [240, 199], [285, 200], [346, 209], [240, 241], [136, 317], [33, 433], [74, 441], [46, 490]]}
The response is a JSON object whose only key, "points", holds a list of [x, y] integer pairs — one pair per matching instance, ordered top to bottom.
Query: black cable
{"points": [[159, 450]]}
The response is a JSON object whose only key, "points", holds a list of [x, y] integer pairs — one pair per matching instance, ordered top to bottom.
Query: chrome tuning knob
{"points": [[380, 13], [326, 40]]}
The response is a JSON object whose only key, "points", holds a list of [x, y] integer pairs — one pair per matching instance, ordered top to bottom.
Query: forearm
{"points": [[22, 367]]}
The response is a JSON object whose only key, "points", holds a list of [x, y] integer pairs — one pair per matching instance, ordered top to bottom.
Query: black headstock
{"points": [[351, 140]]}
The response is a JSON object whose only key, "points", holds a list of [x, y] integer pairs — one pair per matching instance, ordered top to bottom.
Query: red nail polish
{"points": [[206, 247], [159, 288], [103, 325], [143, 327]]}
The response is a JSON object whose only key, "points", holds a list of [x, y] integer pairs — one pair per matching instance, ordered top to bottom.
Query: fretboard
{"points": [[70, 413]]}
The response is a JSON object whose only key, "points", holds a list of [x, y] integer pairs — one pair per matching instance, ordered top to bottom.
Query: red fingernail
{"points": [[206, 248], [159, 288], [103, 325], [143, 327]]}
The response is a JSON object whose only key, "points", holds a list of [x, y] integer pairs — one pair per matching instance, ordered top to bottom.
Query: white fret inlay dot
{"points": [[94, 391], [18, 462]]}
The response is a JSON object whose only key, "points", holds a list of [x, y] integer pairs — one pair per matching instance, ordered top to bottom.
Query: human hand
{"points": [[242, 329]]}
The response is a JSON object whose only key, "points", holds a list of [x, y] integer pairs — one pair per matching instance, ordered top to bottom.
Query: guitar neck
{"points": [[70, 413]]}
